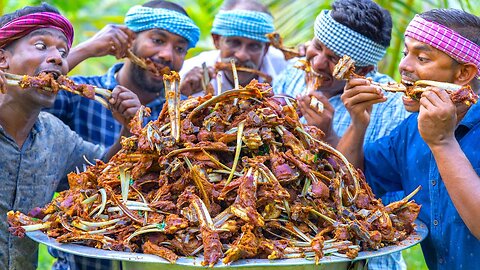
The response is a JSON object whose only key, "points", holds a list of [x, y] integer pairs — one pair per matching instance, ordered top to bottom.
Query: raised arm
{"points": [[111, 40], [358, 97], [437, 121]]}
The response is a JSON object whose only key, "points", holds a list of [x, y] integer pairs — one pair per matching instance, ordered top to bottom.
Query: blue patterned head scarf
{"points": [[141, 18], [243, 23], [345, 41]]}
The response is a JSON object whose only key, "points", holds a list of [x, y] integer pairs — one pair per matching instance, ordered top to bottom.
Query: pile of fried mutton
{"points": [[228, 177]]}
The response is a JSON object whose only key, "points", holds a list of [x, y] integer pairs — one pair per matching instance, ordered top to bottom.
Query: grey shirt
{"points": [[30, 176]]}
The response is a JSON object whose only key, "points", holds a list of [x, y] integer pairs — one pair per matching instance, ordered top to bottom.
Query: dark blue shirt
{"points": [[92, 121], [402, 160]]}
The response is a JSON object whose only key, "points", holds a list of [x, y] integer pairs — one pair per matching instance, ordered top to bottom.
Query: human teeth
{"points": [[315, 73], [407, 82]]}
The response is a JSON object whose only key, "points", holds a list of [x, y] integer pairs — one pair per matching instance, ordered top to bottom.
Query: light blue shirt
{"points": [[384, 118]]}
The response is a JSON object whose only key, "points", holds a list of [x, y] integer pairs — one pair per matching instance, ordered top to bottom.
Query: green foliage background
{"points": [[293, 19]]}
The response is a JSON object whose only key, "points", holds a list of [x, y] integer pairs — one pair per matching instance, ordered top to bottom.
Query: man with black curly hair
{"points": [[362, 30]]}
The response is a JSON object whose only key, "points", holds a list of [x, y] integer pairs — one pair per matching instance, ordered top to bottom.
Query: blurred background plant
{"points": [[293, 19]]}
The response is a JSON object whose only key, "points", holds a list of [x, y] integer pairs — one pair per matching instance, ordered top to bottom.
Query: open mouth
{"points": [[54, 73], [408, 83]]}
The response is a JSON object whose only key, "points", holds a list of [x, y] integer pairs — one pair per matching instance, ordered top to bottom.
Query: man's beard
{"points": [[139, 76]]}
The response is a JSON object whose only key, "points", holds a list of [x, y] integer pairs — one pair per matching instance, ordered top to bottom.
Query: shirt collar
{"points": [[110, 80]]}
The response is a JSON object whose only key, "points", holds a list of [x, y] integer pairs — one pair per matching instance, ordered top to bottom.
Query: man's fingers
{"points": [[130, 34], [356, 82], [351, 92], [433, 96], [324, 100], [126, 105]]}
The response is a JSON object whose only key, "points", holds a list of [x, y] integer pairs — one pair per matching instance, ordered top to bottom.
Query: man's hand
{"points": [[111, 40], [302, 48], [192, 82], [359, 97], [124, 104], [437, 118], [322, 120]]}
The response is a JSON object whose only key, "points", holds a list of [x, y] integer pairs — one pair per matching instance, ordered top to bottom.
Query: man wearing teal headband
{"points": [[360, 29], [160, 31], [238, 33], [36, 148], [436, 148]]}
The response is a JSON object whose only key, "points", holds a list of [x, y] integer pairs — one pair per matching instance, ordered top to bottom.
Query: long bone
{"points": [[52, 84]]}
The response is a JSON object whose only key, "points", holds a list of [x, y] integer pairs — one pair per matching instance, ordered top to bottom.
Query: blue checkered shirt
{"points": [[384, 118], [90, 119]]}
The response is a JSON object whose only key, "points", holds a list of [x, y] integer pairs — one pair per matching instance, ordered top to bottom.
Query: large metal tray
{"points": [[147, 261]]}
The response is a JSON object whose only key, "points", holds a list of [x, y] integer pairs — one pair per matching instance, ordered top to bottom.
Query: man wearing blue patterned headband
{"points": [[360, 29], [158, 30], [238, 33]]}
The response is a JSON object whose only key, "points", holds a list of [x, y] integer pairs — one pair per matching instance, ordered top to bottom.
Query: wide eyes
{"points": [[40, 45]]}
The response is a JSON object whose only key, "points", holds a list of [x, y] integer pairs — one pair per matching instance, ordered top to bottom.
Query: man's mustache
{"points": [[162, 63], [246, 64]]}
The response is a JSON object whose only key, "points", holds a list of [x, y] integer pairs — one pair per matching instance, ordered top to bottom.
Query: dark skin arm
{"points": [[111, 40], [358, 97], [437, 121]]}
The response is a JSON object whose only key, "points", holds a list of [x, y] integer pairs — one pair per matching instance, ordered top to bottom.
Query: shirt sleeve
{"points": [[381, 163]]}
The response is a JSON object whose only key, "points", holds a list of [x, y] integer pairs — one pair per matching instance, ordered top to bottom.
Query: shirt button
{"points": [[434, 182], [435, 222]]}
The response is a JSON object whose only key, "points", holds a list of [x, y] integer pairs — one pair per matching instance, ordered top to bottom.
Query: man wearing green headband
{"points": [[360, 29], [158, 30], [238, 33]]}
